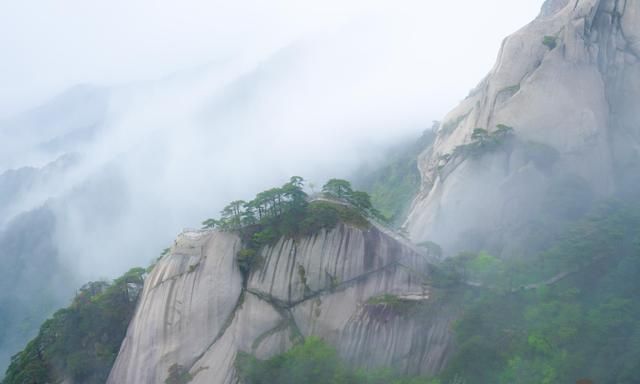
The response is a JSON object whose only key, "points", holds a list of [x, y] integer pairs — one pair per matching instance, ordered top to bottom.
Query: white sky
{"points": [[49, 45]]}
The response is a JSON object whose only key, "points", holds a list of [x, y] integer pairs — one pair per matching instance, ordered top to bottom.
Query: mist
{"points": [[316, 96], [184, 107]]}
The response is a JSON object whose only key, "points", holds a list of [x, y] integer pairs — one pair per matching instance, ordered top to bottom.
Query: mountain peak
{"points": [[568, 84]]}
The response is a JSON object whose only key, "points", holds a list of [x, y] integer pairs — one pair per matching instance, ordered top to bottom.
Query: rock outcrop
{"points": [[569, 85], [196, 313]]}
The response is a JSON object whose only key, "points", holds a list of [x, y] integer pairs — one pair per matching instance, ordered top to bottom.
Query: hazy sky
{"points": [[48, 45], [248, 91], [218, 100], [212, 101]]}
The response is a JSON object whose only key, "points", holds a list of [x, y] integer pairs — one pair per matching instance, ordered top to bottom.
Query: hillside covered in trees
{"points": [[288, 211], [571, 314], [80, 343]]}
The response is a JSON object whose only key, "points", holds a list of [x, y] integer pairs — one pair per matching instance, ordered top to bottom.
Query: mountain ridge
{"points": [[564, 83]]}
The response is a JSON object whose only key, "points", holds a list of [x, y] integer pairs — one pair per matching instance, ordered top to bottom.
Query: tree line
{"points": [[286, 200]]}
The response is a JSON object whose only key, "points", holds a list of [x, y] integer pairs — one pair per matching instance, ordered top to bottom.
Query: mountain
{"points": [[568, 84], [58, 127], [550, 131], [114, 165], [527, 266], [27, 295], [197, 313]]}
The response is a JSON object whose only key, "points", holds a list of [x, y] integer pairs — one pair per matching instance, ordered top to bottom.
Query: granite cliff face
{"points": [[569, 85], [198, 312]]}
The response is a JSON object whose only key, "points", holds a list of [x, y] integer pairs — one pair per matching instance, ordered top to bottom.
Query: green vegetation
{"points": [[550, 42], [512, 89], [483, 141], [394, 185], [286, 212], [395, 303], [573, 313], [568, 314], [80, 342], [313, 362], [178, 375]]}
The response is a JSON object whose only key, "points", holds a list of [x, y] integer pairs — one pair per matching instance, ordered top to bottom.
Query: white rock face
{"points": [[573, 104], [574, 111], [328, 258], [185, 304], [194, 311], [254, 319], [374, 335]]}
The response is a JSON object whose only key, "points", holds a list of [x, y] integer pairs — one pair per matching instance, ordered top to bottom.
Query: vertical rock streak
{"points": [[569, 85], [201, 317]]}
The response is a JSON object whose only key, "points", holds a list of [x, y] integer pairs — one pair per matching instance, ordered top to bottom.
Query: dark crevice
{"points": [[336, 288], [284, 308], [285, 312], [281, 326], [223, 329]]}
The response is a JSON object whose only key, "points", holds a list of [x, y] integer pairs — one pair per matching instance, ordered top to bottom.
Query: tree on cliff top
{"points": [[337, 188]]}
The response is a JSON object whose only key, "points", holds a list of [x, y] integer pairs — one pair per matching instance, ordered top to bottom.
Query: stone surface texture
{"points": [[574, 111]]}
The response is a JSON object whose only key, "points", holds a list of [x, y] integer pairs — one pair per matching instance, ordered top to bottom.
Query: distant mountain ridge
{"points": [[549, 132]]}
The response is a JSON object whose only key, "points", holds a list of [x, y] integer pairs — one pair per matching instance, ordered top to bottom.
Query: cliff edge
{"points": [[566, 87], [197, 312]]}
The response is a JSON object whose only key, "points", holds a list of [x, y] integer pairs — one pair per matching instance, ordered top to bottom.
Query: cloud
{"points": [[48, 46], [271, 90], [199, 103]]}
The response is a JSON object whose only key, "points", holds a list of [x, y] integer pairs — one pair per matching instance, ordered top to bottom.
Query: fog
{"points": [[49, 46], [205, 102], [188, 105]]}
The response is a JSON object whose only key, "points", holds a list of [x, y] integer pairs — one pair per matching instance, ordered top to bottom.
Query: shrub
{"points": [[550, 42], [512, 89], [483, 141], [286, 213], [395, 303], [80, 343], [313, 362], [178, 375]]}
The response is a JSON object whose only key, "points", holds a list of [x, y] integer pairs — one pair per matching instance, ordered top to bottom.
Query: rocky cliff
{"points": [[569, 85], [564, 89], [197, 312]]}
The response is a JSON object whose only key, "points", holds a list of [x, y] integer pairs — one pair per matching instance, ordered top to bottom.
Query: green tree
{"points": [[550, 42], [503, 130], [480, 135], [338, 188], [294, 193], [361, 200], [232, 214], [248, 215], [210, 224], [80, 343], [314, 362], [178, 375]]}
